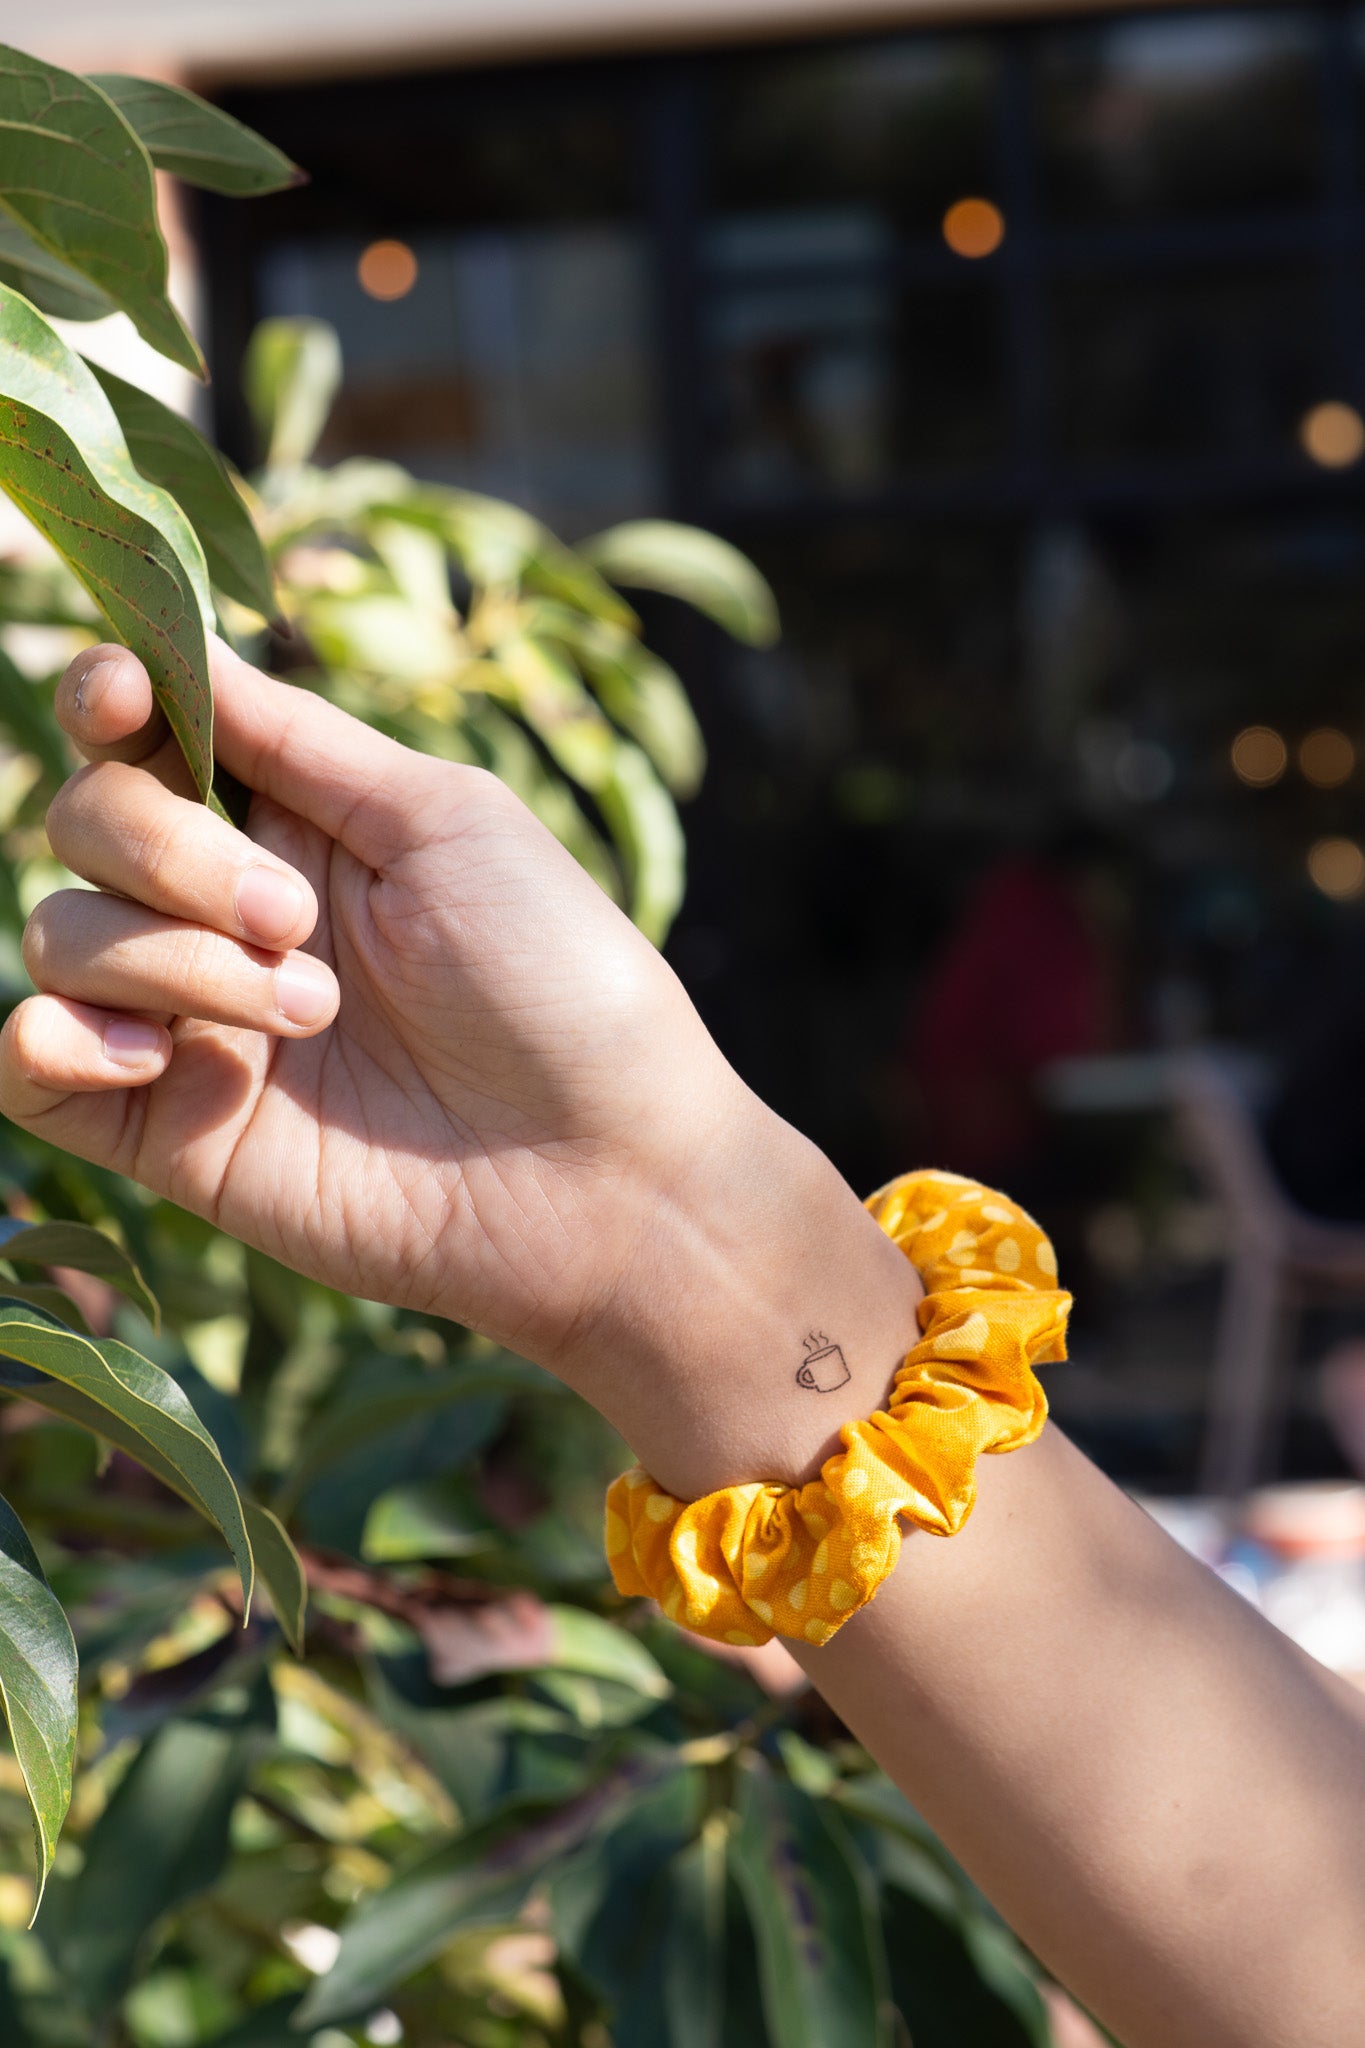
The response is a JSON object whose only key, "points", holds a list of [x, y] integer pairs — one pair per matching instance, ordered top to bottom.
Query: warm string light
{"points": [[973, 228], [387, 270], [1332, 434], [1259, 756], [1327, 758], [1337, 867]]}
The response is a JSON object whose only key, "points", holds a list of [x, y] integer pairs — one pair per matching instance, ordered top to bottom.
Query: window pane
{"points": [[1193, 113], [903, 127], [516, 364], [1186, 365], [848, 383]]}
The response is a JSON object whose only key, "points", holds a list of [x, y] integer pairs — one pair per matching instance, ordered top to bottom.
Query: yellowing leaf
{"points": [[700, 568]]}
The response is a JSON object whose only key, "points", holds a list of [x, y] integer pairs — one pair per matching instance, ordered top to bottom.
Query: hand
{"points": [[394, 1036]]}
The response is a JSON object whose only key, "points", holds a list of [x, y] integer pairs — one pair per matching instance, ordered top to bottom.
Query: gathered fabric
{"points": [[749, 1562]]}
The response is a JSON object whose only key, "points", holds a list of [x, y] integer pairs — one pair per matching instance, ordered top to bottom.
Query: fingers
{"points": [[104, 703], [286, 743], [355, 784], [120, 828], [117, 955], [51, 1048]]}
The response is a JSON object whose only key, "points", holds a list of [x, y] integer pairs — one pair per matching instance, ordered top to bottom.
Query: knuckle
{"points": [[482, 788], [82, 808], [66, 812], [161, 856], [34, 946], [200, 964], [24, 1042]]}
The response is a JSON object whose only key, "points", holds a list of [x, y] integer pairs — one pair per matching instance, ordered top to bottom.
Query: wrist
{"points": [[755, 1264]]}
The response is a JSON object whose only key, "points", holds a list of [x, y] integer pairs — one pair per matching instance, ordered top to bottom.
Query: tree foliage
{"points": [[303, 1609]]}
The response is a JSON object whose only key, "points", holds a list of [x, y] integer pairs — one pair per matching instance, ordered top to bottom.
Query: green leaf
{"points": [[198, 142], [75, 176], [53, 286], [292, 375], [169, 451], [64, 461], [700, 568], [26, 713], [76, 1244], [53, 1301], [124, 1397], [341, 1428], [426, 1518], [280, 1570], [584, 1642], [37, 1686], [163, 1837], [480, 1876], [614, 1907], [814, 1918], [694, 1944], [941, 1991], [268, 2026]]}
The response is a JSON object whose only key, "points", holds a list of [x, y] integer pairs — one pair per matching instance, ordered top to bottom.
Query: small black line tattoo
{"points": [[824, 1369]]}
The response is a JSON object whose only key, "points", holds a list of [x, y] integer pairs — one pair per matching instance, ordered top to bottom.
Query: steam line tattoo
{"points": [[824, 1369]]}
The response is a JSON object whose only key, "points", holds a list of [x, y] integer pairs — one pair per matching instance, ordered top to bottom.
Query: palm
{"points": [[457, 1135]]}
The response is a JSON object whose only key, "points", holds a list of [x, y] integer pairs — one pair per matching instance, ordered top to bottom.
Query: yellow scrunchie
{"points": [[755, 1561]]}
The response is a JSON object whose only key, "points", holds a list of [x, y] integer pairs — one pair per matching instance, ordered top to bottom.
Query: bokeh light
{"points": [[973, 228], [387, 270], [1332, 434], [1259, 756], [1327, 758], [1337, 866]]}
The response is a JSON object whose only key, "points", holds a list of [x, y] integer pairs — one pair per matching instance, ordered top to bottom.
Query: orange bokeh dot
{"points": [[973, 227], [387, 270], [1332, 435], [1259, 756], [1327, 758], [1337, 866]]}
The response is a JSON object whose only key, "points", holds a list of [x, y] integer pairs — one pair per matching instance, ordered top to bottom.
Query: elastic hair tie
{"points": [[759, 1560]]}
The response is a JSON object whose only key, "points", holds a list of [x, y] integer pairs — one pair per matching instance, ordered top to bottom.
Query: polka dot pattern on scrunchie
{"points": [[755, 1561]]}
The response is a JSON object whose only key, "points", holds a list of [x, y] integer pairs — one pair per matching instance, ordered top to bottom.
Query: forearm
{"points": [[1157, 1790]]}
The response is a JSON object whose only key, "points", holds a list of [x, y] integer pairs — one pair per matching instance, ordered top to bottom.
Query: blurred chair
{"points": [[1278, 1256]]}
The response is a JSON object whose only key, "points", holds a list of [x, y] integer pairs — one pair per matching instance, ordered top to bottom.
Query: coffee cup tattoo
{"points": [[824, 1369]]}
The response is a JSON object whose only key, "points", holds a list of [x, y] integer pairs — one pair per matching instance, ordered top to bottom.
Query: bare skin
{"points": [[446, 1072]]}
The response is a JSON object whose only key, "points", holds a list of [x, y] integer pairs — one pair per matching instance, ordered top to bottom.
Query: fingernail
{"points": [[92, 686], [269, 904], [304, 991], [129, 1042]]}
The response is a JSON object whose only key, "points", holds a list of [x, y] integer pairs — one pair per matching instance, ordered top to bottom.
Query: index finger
{"points": [[104, 703]]}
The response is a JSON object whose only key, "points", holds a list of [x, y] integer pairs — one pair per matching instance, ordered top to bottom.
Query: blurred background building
{"points": [[1024, 350]]}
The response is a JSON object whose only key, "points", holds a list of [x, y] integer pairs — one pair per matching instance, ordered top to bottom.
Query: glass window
{"points": [[1202, 114], [902, 128], [515, 364], [1186, 365], [849, 383]]}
